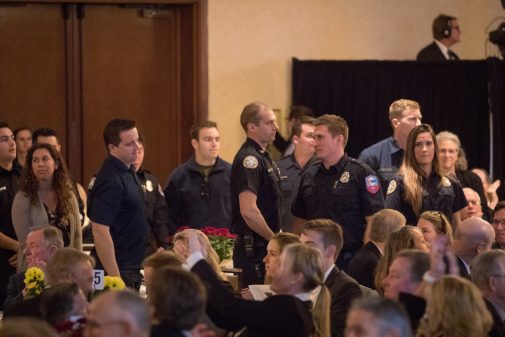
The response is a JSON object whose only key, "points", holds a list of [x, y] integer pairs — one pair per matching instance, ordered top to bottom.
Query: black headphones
{"points": [[447, 29]]}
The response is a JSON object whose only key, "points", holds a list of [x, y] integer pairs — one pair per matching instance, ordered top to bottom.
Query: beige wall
{"points": [[251, 43]]}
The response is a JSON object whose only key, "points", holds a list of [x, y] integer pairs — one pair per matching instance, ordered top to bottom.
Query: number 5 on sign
{"points": [[98, 278]]}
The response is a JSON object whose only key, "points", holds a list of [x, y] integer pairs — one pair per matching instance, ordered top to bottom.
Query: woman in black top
{"points": [[421, 184]]}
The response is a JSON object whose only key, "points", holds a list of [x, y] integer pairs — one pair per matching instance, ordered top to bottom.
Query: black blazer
{"points": [[432, 53], [363, 265], [462, 269], [15, 288], [343, 290], [29, 307], [279, 315], [498, 328], [160, 330]]}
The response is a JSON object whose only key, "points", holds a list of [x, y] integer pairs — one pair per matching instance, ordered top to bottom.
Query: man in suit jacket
{"points": [[446, 33], [326, 236], [472, 237], [41, 243], [363, 265], [488, 274]]}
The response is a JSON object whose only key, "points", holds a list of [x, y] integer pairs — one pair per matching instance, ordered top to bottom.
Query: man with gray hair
{"points": [[386, 156], [473, 205], [472, 237], [41, 243], [363, 265], [488, 273], [118, 314], [377, 317]]}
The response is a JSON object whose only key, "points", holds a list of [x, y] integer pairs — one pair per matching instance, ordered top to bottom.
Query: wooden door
{"points": [[32, 66], [75, 66], [129, 70]]}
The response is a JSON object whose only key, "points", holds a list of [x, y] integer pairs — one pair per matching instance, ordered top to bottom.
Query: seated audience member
{"points": [[23, 138], [452, 159], [489, 188], [46, 196], [473, 205], [434, 224], [499, 225], [326, 236], [408, 237], [471, 238], [41, 243], [275, 248], [181, 249], [152, 263], [66, 265], [363, 265], [488, 270], [405, 273], [403, 280], [178, 299], [64, 307], [455, 308], [287, 313], [118, 314], [377, 317], [26, 327]]}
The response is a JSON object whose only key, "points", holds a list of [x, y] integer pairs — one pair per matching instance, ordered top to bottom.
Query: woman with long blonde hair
{"points": [[421, 184], [455, 308]]}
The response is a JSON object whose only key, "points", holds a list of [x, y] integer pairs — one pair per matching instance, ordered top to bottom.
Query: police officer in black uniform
{"points": [[386, 156], [9, 182], [340, 188], [255, 189], [160, 227]]}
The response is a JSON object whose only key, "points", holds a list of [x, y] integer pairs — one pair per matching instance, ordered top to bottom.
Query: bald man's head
{"points": [[472, 237]]}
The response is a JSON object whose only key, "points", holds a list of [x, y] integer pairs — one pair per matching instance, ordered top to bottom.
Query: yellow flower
{"points": [[113, 283], [31, 285]]}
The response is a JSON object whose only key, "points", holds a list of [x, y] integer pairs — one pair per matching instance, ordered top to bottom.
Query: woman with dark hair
{"points": [[23, 138], [421, 184], [46, 197]]}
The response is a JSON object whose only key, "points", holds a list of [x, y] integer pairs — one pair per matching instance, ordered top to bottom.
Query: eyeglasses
{"points": [[448, 151], [497, 222]]}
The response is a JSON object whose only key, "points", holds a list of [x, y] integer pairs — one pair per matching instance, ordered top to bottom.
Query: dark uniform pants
{"points": [[253, 268], [132, 278]]}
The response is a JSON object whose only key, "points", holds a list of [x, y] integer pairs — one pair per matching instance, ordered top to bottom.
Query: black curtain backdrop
{"points": [[454, 96]]}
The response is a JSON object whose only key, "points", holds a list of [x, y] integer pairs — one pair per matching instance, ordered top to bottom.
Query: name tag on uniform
{"points": [[3, 188], [98, 279]]}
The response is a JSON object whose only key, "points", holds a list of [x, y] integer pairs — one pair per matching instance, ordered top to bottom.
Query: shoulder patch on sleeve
{"points": [[250, 162], [372, 184], [392, 186]]}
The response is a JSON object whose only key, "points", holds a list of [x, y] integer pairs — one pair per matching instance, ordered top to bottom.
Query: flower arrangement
{"points": [[220, 239], [34, 281], [113, 283]]}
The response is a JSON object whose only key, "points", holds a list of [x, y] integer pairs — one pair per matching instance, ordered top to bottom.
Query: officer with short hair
{"points": [[340, 188], [255, 191]]}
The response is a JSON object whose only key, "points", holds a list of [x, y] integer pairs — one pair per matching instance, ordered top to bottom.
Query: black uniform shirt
{"points": [[385, 158], [253, 170], [345, 193], [439, 194], [117, 200], [156, 209]]}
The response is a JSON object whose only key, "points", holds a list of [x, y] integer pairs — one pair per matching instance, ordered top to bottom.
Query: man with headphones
{"points": [[446, 33]]}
